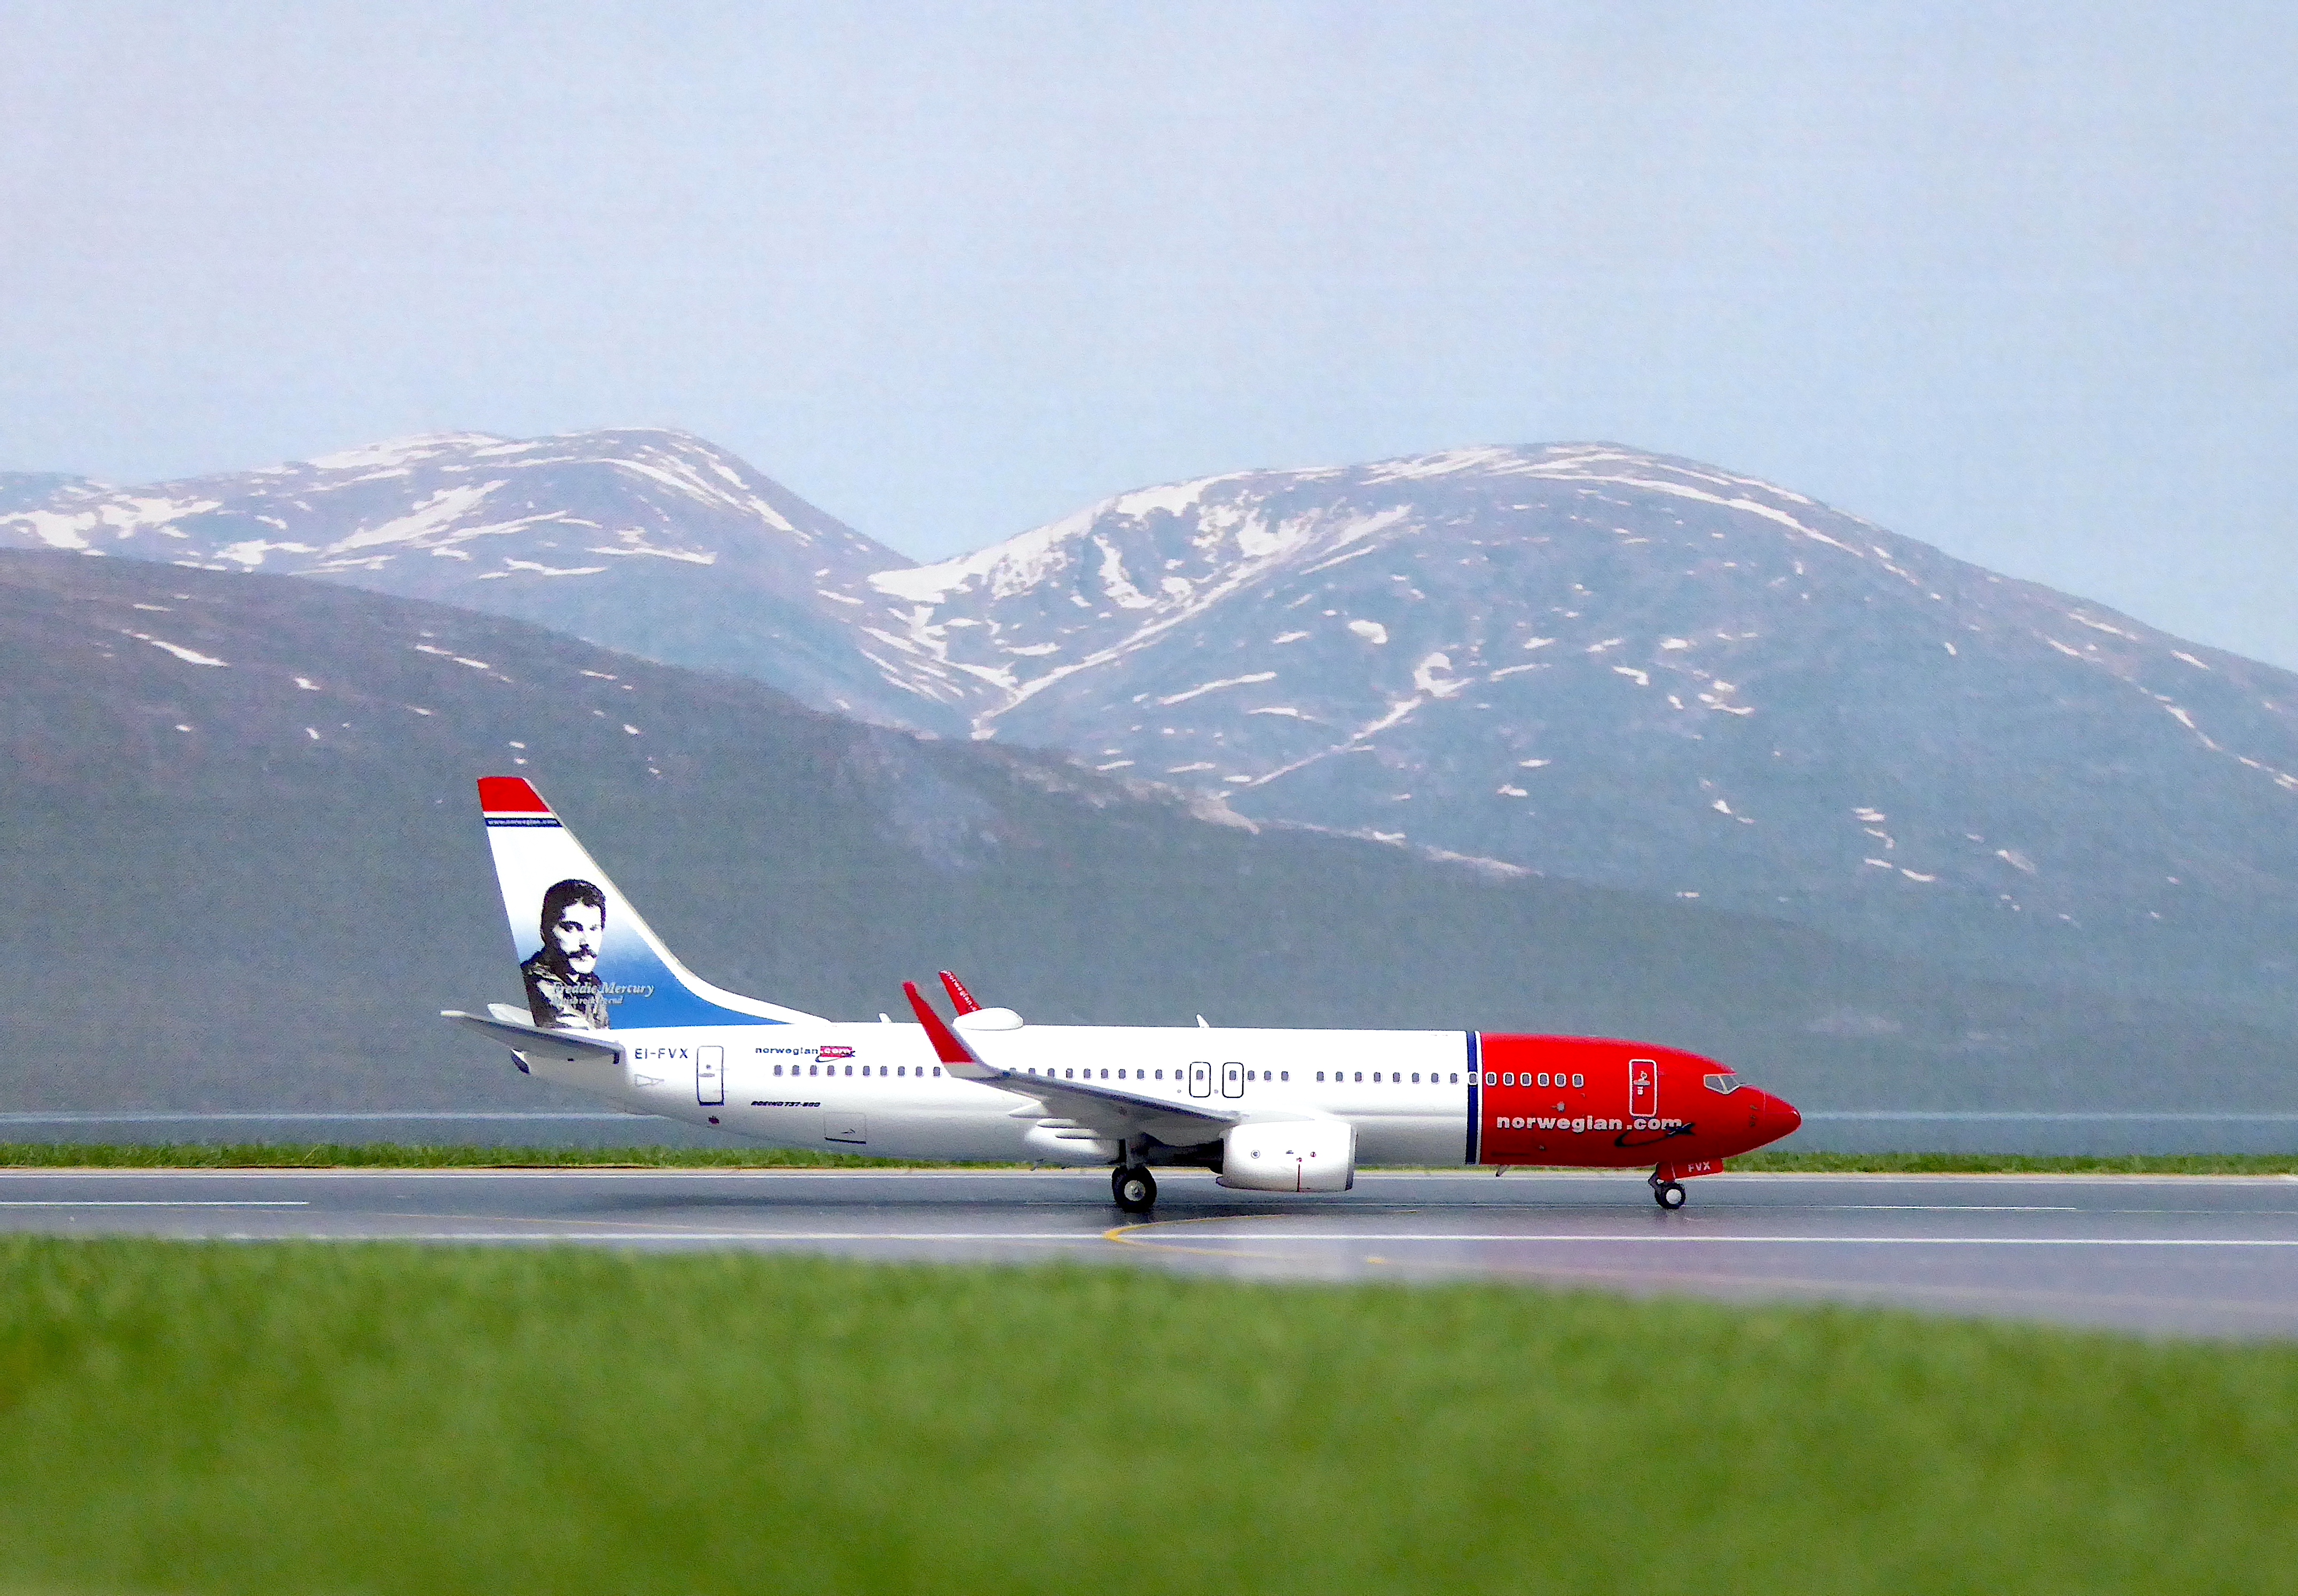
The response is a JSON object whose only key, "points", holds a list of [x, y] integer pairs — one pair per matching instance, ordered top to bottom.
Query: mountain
{"points": [[45, 489], [649, 540], [1587, 661], [1618, 668], [242, 867]]}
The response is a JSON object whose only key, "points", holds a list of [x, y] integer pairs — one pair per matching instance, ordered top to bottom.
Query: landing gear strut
{"points": [[1133, 1187], [1667, 1194]]}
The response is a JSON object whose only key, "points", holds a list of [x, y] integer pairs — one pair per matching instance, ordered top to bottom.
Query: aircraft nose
{"points": [[1781, 1118]]}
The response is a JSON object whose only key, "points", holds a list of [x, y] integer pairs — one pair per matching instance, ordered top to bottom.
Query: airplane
{"points": [[611, 1011]]}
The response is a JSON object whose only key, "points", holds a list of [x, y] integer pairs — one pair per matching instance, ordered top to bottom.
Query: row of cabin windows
{"points": [[832, 1070], [1395, 1077], [1509, 1078]]}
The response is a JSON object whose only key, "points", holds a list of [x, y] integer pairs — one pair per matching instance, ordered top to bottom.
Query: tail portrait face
{"points": [[575, 934], [562, 981]]}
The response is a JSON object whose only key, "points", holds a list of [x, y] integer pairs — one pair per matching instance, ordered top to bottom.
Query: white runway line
{"points": [[153, 1202]]}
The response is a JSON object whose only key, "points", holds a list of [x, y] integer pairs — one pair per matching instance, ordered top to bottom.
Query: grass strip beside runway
{"points": [[296, 1155], [212, 1417]]}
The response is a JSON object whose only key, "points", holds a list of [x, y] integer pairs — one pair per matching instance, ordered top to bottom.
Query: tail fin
{"points": [[590, 962]]}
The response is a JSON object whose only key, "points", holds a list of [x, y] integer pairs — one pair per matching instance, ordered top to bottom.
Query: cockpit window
{"points": [[1725, 1084]]}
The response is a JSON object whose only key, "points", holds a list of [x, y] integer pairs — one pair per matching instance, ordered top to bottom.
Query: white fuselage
{"points": [[877, 1089]]}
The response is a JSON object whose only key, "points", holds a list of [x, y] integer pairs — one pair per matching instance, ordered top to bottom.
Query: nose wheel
{"points": [[1133, 1187], [1668, 1194]]}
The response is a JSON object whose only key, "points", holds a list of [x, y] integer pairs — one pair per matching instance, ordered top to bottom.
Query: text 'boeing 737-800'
{"points": [[611, 1011]]}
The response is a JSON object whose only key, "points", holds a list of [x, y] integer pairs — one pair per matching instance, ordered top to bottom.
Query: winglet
{"points": [[958, 994], [953, 1054]]}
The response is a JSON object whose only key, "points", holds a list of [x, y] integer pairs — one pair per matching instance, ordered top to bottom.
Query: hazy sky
{"points": [[2014, 280]]}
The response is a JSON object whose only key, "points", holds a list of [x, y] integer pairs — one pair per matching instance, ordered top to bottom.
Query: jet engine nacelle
{"points": [[1290, 1155]]}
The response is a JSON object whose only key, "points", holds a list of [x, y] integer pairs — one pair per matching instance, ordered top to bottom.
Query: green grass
{"points": [[288, 1155], [220, 1418]]}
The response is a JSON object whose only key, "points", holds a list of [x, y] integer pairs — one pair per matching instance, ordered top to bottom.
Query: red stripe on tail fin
{"points": [[509, 794], [958, 994], [947, 1047]]}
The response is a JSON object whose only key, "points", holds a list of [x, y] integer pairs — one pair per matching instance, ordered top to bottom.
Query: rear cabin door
{"points": [[710, 1075], [1201, 1078], [1643, 1089]]}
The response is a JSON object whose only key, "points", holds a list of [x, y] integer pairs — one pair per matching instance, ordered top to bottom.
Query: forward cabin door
{"points": [[710, 1076], [1643, 1089]]}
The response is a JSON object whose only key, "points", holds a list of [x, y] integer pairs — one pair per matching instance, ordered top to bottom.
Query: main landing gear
{"points": [[1133, 1187], [1668, 1194]]}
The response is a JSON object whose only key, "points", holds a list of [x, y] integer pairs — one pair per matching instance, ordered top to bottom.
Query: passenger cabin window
{"points": [[1579, 1080], [1725, 1084]]}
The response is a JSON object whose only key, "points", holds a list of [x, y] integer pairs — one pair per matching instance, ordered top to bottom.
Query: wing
{"points": [[1111, 1110]]}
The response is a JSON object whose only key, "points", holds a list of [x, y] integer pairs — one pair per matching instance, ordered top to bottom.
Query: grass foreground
{"points": [[355, 1155], [375, 1418]]}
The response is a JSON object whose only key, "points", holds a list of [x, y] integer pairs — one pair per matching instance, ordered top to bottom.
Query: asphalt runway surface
{"points": [[2193, 1255]]}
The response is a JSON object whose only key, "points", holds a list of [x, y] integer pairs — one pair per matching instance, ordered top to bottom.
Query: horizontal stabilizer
{"points": [[571, 1046]]}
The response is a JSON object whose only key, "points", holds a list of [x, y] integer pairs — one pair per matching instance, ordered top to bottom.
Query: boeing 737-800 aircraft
{"points": [[611, 1011]]}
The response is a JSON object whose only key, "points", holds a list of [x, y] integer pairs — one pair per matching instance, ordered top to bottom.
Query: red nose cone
{"points": [[1782, 1118]]}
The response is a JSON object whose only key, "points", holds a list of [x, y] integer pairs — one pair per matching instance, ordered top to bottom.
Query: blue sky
{"points": [[2014, 280]]}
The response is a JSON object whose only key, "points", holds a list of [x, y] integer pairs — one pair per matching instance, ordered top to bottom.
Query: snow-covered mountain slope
{"points": [[43, 489], [654, 541], [1584, 660], [1643, 671]]}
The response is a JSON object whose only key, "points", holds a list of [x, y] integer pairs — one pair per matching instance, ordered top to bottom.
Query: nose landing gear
{"points": [[1134, 1189], [1668, 1194]]}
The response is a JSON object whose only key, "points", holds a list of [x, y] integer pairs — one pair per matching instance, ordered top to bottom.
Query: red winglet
{"points": [[509, 794], [958, 994], [947, 1047]]}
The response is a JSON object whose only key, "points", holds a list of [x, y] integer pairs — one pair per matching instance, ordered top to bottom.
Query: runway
{"points": [[2199, 1255]]}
